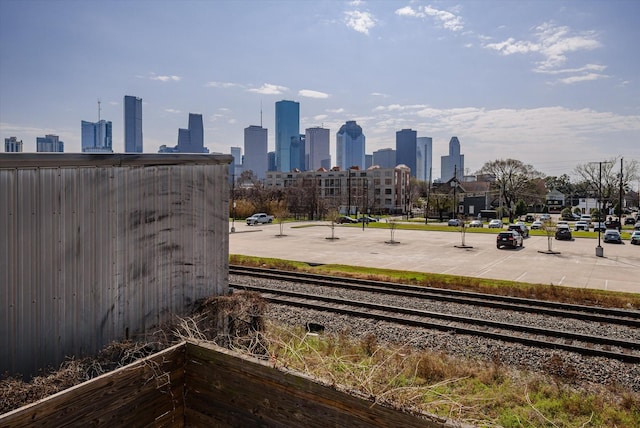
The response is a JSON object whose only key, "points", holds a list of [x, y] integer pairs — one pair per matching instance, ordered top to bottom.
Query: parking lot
{"points": [[436, 252]]}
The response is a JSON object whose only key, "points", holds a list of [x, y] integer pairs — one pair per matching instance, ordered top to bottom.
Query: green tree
{"points": [[521, 208]]}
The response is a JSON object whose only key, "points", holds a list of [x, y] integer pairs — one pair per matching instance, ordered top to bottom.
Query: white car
{"points": [[544, 217], [495, 224], [536, 225], [581, 225]]}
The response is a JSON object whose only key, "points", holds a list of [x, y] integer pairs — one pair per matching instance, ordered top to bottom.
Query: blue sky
{"points": [[551, 83]]}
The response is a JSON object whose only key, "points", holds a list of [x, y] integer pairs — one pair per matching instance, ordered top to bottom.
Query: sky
{"points": [[553, 83]]}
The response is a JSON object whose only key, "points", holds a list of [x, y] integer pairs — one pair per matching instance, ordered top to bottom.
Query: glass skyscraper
{"points": [[132, 124], [287, 131], [96, 137], [189, 140], [12, 145], [350, 146], [406, 149], [318, 150], [424, 158], [256, 159], [454, 163]]}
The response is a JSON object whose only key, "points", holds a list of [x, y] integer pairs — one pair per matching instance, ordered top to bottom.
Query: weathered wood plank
{"points": [[234, 391], [143, 393]]}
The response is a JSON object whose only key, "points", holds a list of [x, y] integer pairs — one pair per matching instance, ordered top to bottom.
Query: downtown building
{"points": [[132, 124], [97, 137], [190, 140], [49, 144], [12, 145], [350, 146], [289, 148], [318, 148], [406, 149], [424, 156], [256, 158], [385, 158], [452, 166], [375, 190]]}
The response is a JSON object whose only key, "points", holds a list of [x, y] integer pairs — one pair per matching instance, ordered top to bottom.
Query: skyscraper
{"points": [[132, 124], [287, 130], [96, 137], [189, 140], [49, 143], [12, 145], [350, 146], [406, 149], [318, 150], [255, 151], [385, 158], [424, 158], [453, 162], [236, 167]]}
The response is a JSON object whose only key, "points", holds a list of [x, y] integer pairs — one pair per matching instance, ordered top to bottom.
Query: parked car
{"points": [[544, 217], [586, 217], [259, 218], [529, 218], [346, 219], [367, 219], [629, 220], [454, 222], [476, 223], [495, 224], [612, 224], [536, 225], [581, 225], [600, 226], [636, 226], [520, 228], [563, 232], [612, 235], [635, 237], [509, 238]]}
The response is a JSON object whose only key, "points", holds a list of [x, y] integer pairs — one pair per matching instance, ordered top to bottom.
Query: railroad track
{"points": [[585, 344]]}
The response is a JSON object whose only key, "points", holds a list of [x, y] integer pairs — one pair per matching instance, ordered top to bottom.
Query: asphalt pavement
{"points": [[575, 265]]}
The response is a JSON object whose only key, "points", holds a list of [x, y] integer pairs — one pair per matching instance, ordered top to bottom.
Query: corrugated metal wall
{"points": [[95, 248]]}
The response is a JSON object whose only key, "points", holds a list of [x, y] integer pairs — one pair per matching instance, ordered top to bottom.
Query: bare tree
{"points": [[512, 178], [280, 212], [333, 216], [393, 225], [549, 227]]}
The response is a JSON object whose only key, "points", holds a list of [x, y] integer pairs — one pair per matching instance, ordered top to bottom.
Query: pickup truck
{"points": [[259, 218]]}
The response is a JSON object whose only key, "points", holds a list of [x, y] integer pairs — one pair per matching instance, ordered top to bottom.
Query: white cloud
{"points": [[445, 18], [360, 21], [554, 44], [166, 78], [583, 78], [221, 85], [269, 89], [312, 94], [379, 94], [171, 110], [336, 110], [320, 117]]}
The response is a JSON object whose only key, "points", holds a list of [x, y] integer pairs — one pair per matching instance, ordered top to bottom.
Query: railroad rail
{"points": [[613, 348]]}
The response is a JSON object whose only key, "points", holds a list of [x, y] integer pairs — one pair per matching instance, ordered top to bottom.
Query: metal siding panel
{"points": [[92, 251]]}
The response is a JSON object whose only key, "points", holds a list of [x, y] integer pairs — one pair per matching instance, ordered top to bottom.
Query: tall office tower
{"points": [[132, 124], [287, 128], [96, 137], [190, 140], [49, 143], [12, 145], [350, 146], [318, 148], [406, 149], [297, 153], [385, 158], [424, 158], [256, 159], [272, 161], [368, 161], [453, 162], [236, 169]]}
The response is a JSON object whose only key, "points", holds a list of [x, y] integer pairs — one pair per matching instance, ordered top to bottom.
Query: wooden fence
{"points": [[201, 385]]}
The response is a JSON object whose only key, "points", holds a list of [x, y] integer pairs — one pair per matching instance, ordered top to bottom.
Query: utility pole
{"points": [[620, 200], [426, 213]]}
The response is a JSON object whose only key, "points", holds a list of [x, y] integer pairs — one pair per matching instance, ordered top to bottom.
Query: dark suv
{"points": [[510, 238]]}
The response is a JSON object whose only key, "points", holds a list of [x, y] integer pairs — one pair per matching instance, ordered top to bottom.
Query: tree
{"points": [[512, 178], [612, 184], [280, 212], [333, 216], [393, 224], [549, 227]]}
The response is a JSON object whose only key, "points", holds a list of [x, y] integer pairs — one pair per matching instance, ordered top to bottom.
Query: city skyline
{"points": [[551, 83]]}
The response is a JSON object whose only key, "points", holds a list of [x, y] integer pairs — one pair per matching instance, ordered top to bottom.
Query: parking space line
{"points": [[520, 277], [562, 279]]}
